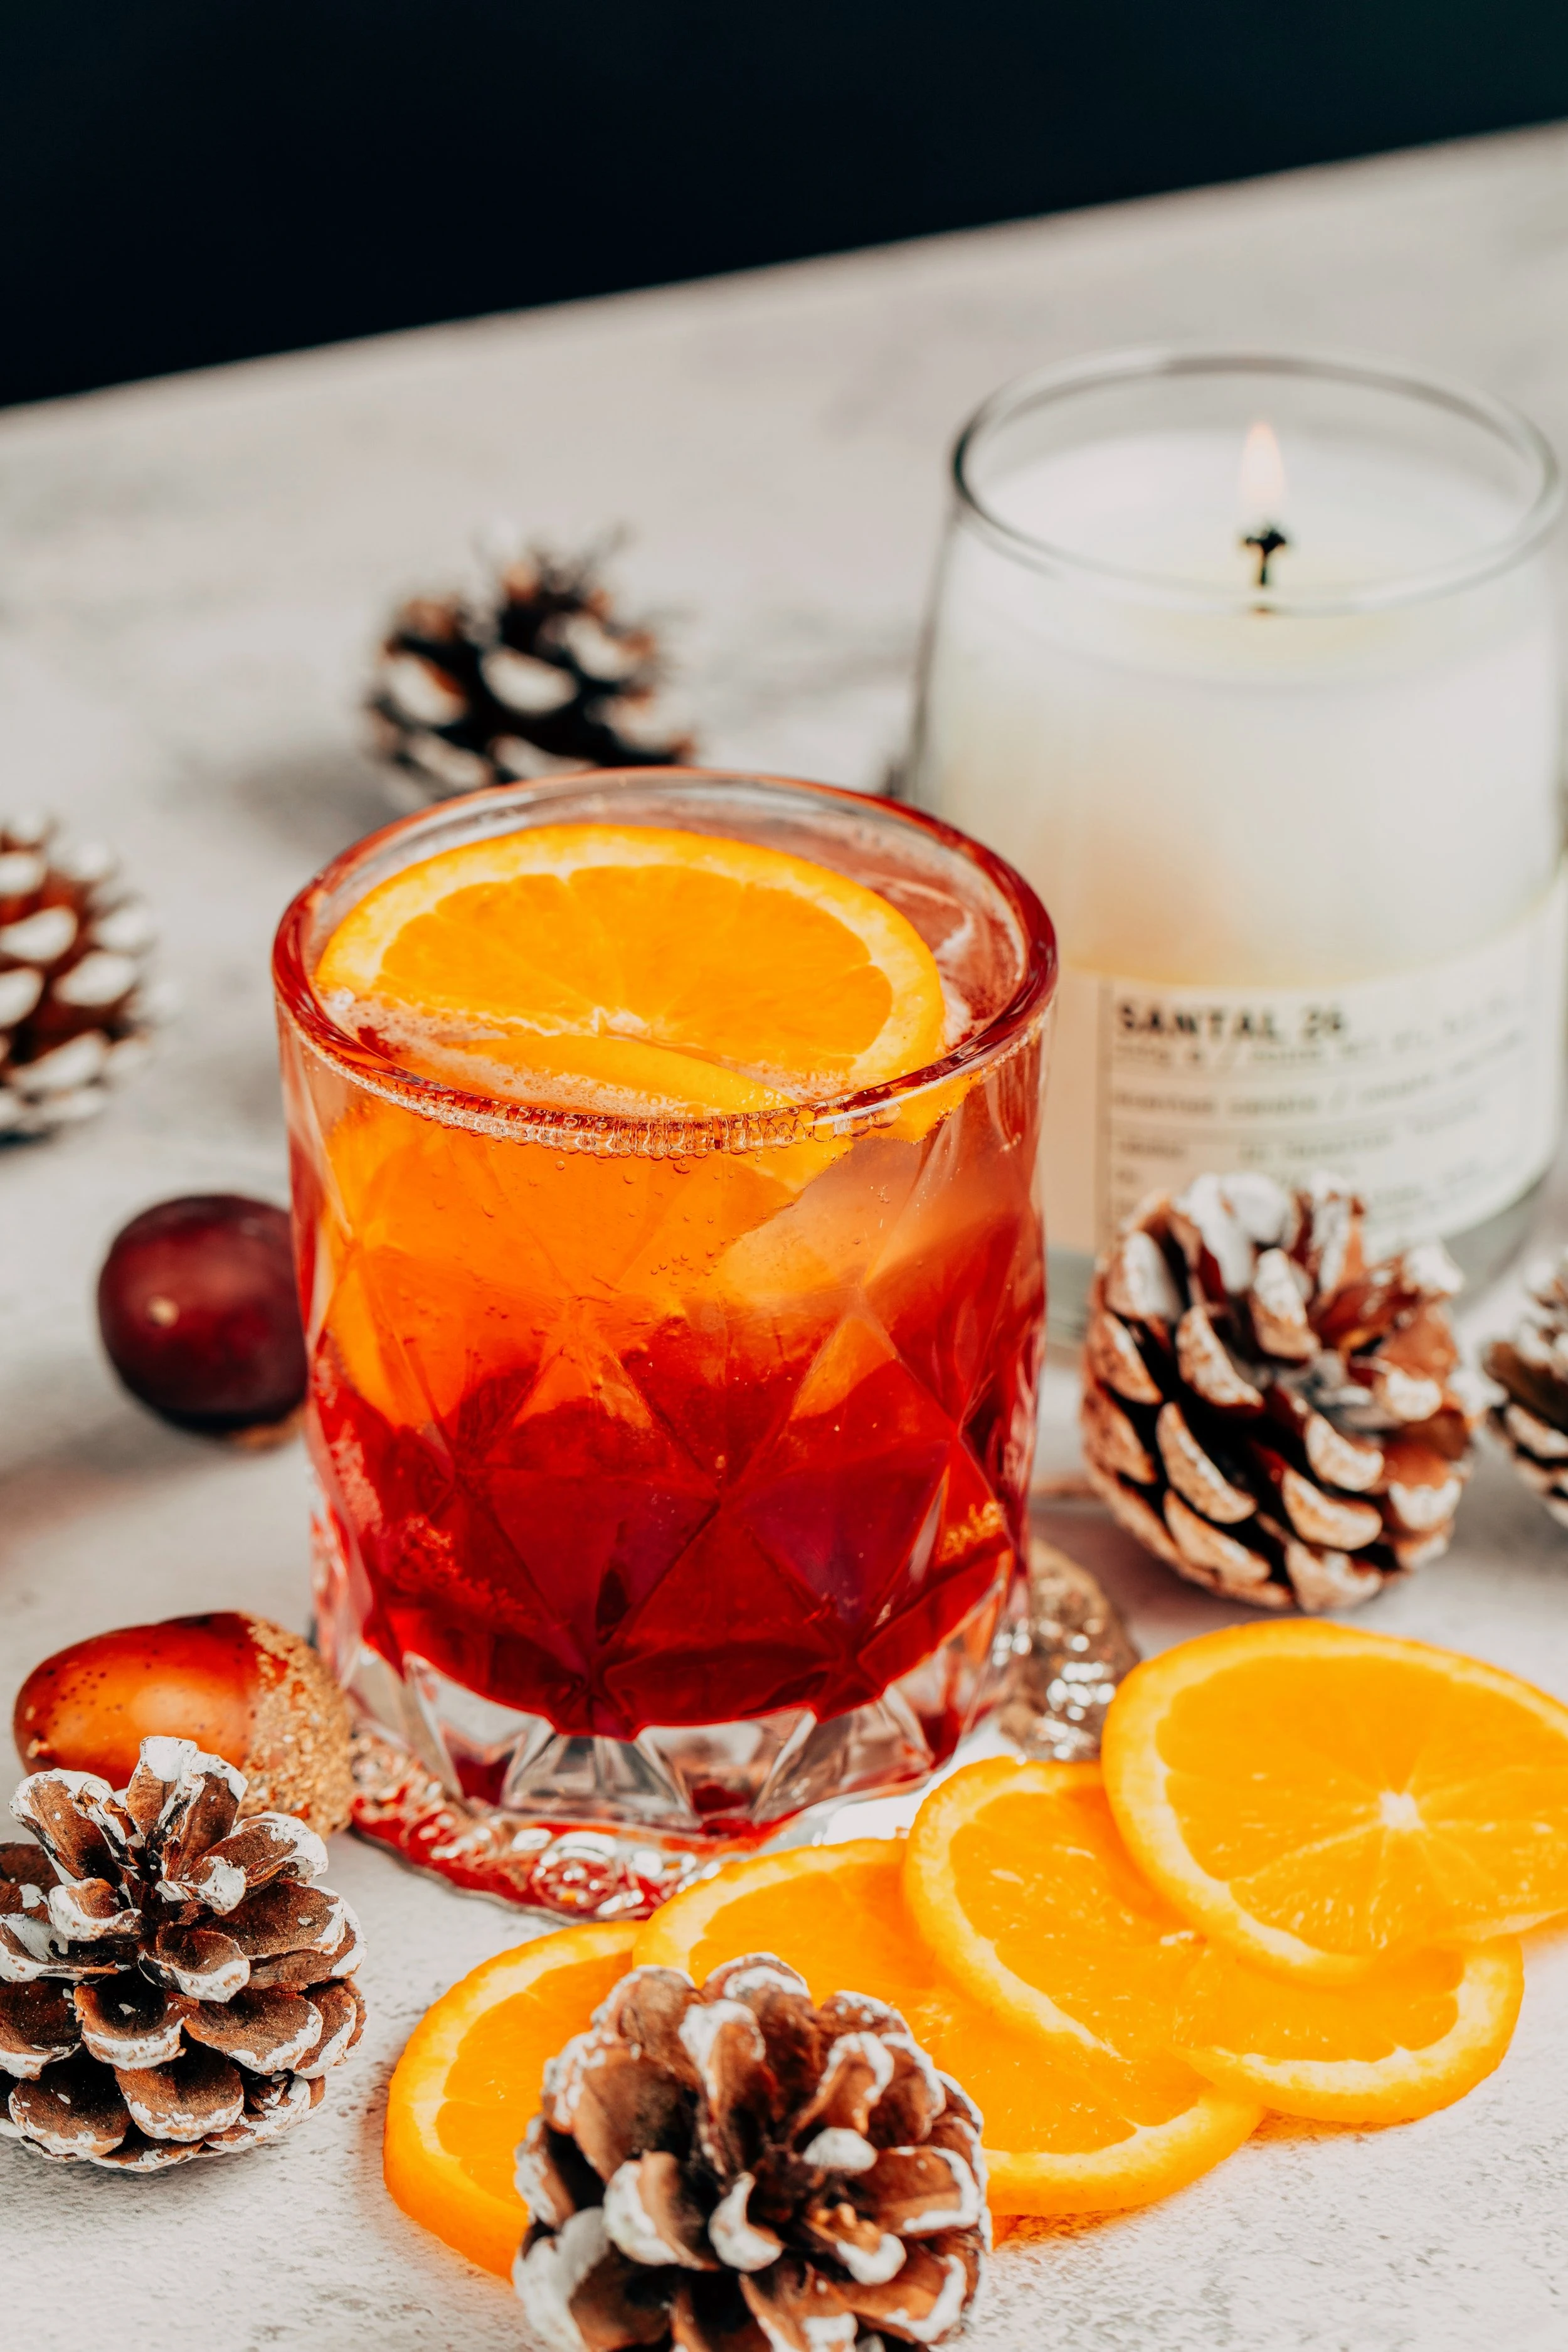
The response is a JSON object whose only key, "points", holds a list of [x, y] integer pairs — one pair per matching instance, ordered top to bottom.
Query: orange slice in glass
{"points": [[625, 964], [1319, 1799], [1414, 2037], [467, 2086], [1067, 2128]]}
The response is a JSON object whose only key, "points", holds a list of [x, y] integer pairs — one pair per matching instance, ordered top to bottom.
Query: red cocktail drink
{"points": [[673, 1416]]}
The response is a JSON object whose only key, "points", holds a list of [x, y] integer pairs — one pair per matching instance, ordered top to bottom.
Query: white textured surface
{"points": [[189, 574]]}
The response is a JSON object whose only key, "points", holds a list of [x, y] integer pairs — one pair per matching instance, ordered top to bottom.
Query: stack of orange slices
{"points": [[1295, 1883]]}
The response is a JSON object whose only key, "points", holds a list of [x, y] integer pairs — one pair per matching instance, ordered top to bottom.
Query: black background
{"points": [[189, 181]]}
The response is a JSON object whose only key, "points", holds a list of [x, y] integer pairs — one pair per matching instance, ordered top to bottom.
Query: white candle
{"points": [[1303, 843]]}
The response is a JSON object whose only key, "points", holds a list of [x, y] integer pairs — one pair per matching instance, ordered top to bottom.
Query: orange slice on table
{"points": [[633, 964], [1319, 1799], [1020, 1881], [1414, 2037], [467, 2086], [1067, 2128]]}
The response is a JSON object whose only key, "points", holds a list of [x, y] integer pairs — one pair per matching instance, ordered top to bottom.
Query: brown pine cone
{"points": [[539, 678], [74, 1006], [1532, 1366], [1263, 1410], [170, 1985], [734, 2170]]}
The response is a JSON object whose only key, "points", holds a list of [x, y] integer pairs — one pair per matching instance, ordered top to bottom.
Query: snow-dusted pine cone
{"points": [[538, 677], [74, 1006], [1532, 1366], [1274, 1417], [170, 1985], [734, 2170]]}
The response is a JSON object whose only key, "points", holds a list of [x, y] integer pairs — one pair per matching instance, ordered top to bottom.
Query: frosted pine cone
{"points": [[540, 677], [74, 1006], [1532, 1366], [1272, 1416], [170, 1985], [734, 2170]]}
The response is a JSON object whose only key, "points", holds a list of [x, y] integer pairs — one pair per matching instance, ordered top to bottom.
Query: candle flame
{"points": [[1262, 485]]}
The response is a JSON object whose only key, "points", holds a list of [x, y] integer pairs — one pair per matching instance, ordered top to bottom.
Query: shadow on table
{"points": [[314, 801], [100, 1464]]}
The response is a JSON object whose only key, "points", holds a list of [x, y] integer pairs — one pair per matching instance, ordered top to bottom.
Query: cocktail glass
{"points": [[673, 1471]]}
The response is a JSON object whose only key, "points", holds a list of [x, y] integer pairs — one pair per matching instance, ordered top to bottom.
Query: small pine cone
{"points": [[539, 678], [74, 1006], [1532, 1368], [1276, 1418], [171, 1986], [736, 2170]]}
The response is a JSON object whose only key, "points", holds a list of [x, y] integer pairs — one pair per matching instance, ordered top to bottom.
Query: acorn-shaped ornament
{"points": [[238, 1685]]}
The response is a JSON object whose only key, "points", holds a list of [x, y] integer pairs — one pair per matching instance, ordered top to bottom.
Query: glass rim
{"points": [[1481, 409], [671, 1136]]}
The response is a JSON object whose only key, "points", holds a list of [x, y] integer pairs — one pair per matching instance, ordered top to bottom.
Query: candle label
{"points": [[1437, 1092]]}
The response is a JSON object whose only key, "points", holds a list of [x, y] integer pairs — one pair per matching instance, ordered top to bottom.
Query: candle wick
{"points": [[1267, 540]]}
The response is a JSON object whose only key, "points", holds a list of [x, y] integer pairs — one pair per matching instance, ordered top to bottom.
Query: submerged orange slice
{"points": [[638, 963], [1319, 1799], [1415, 2037], [467, 2086], [1067, 2128]]}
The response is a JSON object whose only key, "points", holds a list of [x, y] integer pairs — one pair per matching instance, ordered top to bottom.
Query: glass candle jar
{"points": [[1249, 661], [673, 1469]]}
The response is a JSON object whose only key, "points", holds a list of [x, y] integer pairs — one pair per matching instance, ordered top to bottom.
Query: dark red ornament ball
{"points": [[200, 1315]]}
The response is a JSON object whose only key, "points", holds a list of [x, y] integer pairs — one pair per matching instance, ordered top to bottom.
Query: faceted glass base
{"points": [[499, 1802]]}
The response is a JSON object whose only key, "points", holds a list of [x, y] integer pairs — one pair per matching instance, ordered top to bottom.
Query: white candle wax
{"points": [[1240, 796], [1241, 817]]}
